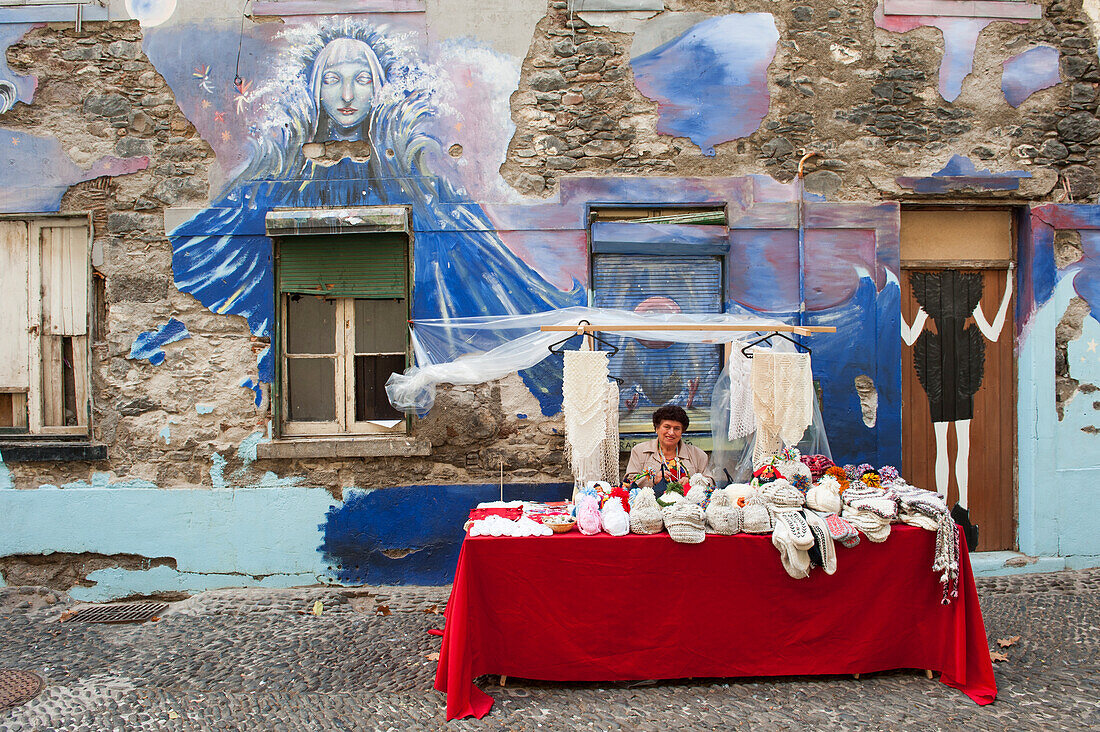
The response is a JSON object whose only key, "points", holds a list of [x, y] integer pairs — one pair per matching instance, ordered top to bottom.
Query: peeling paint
{"points": [[148, 345], [868, 399], [204, 408], [217, 471], [6, 482]]}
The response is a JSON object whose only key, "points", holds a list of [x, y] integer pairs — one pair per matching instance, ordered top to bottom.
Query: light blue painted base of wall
{"points": [[264, 536], [1083, 561], [992, 564], [165, 579]]}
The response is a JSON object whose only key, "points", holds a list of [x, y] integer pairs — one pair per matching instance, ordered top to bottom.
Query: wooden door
{"points": [[956, 359]]}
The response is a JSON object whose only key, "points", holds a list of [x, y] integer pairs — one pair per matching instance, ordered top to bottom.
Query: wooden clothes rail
{"points": [[802, 330]]}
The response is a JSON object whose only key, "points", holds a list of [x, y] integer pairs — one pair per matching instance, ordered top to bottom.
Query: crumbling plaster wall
{"points": [[863, 97]]}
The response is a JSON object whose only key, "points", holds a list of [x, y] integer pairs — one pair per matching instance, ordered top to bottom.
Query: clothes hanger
{"points": [[802, 346], [553, 347]]}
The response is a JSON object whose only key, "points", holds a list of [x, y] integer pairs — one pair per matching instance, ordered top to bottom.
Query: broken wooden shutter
{"points": [[349, 265], [64, 280], [14, 325]]}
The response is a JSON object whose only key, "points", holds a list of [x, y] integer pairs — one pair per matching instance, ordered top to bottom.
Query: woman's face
{"points": [[347, 88], [669, 432]]}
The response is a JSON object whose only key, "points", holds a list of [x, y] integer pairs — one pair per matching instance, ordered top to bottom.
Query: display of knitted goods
{"points": [[782, 400], [584, 406], [742, 419], [609, 448], [817, 464], [850, 471], [871, 478], [634, 492], [619, 493], [824, 496], [918, 507], [645, 514], [588, 515], [723, 516], [755, 518], [615, 520], [685, 522], [500, 526], [842, 531], [791, 536], [823, 553]]}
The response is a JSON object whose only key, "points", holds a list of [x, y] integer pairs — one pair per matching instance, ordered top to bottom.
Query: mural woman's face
{"points": [[347, 88]]}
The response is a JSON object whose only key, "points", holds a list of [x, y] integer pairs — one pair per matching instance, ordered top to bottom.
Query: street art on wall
{"points": [[960, 36], [1028, 72], [348, 82], [711, 82]]}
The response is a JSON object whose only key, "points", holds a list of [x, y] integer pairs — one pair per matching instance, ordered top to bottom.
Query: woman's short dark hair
{"points": [[670, 412]]}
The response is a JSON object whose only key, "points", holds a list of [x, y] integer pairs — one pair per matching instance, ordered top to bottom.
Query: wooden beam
{"points": [[779, 328]]}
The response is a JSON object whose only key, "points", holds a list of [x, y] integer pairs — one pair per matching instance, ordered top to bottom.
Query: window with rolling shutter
{"points": [[665, 262], [342, 330]]}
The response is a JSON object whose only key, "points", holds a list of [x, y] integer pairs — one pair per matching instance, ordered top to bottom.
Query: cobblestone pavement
{"points": [[257, 660]]}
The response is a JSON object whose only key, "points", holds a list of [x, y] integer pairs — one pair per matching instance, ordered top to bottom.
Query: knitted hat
{"points": [[817, 464], [794, 470], [700, 480], [738, 491], [697, 494], [782, 494], [825, 495], [588, 515], [645, 516], [723, 517], [754, 517], [615, 520], [685, 523]]}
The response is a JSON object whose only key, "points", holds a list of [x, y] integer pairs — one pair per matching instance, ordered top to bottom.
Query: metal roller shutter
{"points": [[657, 373]]}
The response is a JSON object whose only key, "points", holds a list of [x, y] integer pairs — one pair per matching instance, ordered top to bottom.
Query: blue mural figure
{"points": [[349, 82]]}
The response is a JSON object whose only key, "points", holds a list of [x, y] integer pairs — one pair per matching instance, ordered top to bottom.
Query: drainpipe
{"points": [[800, 186]]}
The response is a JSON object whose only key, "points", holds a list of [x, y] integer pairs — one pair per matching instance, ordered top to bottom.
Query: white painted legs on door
{"points": [[962, 459]]}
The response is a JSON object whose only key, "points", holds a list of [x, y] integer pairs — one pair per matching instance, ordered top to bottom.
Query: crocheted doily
{"points": [[782, 400], [584, 403], [742, 419]]}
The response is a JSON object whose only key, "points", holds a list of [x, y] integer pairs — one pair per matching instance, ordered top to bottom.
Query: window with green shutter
{"points": [[342, 330]]}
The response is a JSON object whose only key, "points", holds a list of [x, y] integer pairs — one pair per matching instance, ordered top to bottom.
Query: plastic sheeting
{"points": [[482, 349], [731, 460]]}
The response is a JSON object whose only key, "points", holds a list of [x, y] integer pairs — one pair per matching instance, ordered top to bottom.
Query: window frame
{"points": [[343, 356], [344, 374], [36, 391]]}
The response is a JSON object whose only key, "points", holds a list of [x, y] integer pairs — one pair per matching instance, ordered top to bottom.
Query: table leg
{"points": [[928, 673], [855, 676], [503, 679]]}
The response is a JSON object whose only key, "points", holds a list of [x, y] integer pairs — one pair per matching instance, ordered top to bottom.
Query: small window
{"points": [[661, 261], [45, 278], [343, 329]]}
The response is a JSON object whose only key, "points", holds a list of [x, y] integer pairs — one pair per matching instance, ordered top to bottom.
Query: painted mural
{"points": [[1028, 72], [711, 82]]}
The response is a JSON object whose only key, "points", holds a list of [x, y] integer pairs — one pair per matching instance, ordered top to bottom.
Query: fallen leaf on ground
{"points": [[318, 608], [382, 610], [433, 610], [67, 615], [1006, 642], [432, 656], [995, 657], [173, 715]]}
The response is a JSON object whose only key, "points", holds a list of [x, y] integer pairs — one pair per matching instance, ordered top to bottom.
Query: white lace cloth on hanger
{"points": [[782, 400], [584, 404], [742, 419]]}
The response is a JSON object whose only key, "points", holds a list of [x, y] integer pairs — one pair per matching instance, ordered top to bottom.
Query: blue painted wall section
{"points": [[1028, 72], [711, 83], [960, 174], [149, 345], [424, 521]]}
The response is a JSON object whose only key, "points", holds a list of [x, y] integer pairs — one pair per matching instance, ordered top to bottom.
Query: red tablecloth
{"points": [[600, 608]]}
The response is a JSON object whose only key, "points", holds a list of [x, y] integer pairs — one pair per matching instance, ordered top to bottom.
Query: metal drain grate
{"points": [[136, 613], [18, 687]]}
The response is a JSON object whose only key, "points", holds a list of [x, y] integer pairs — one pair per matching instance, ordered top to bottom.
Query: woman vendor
{"points": [[667, 457]]}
